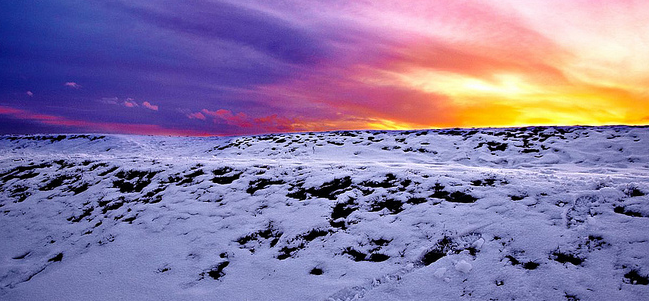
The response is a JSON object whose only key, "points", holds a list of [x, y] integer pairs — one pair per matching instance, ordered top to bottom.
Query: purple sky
{"points": [[241, 67]]}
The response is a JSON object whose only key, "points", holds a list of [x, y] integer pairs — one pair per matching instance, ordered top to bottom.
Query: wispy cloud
{"points": [[72, 85], [30, 93], [130, 103], [150, 106], [197, 115], [247, 124], [103, 127]]}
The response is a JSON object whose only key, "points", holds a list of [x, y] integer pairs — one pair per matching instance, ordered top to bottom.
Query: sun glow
{"points": [[461, 86]]}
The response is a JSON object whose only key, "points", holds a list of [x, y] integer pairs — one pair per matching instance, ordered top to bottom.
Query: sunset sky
{"points": [[234, 67]]}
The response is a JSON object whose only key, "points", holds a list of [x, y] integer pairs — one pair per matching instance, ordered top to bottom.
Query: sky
{"points": [[239, 67]]}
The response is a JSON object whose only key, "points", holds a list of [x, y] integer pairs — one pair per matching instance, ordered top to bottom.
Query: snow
{"points": [[542, 213]]}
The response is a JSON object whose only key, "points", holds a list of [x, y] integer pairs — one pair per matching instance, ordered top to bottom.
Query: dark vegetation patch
{"points": [[88, 137], [51, 138], [336, 143], [493, 146], [417, 150], [530, 150], [64, 164], [95, 166], [108, 171], [222, 171], [23, 172], [189, 178], [226, 179], [133, 180], [58, 181], [389, 182], [488, 182], [261, 184], [79, 188], [330, 190], [633, 192], [20, 193], [298, 193], [153, 196], [454, 197], [460, 197], [517, 197], [416, 201], [111, 205], [392, 205], [343, 209], [622, 210], [87, 211], [129, 219], [269, 233], [314, 233], [380, 242], [594, 243], [447, 245], [441, 248], [286, 252], [355, 255], [21, 256], [378, 257], [566, 257], [56, 258], [513, 260], [530, 265], [163, 269], [216, 272], [634, 277]]}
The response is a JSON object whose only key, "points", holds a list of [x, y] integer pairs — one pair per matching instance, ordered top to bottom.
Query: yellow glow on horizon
{"points": [[460, 86], [511, 99]]}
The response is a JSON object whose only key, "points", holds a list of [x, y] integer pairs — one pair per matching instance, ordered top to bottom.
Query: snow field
{"points": [[501, 214]]}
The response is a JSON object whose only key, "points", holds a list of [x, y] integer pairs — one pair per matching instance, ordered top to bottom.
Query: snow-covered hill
{"points": [[487, 214]]}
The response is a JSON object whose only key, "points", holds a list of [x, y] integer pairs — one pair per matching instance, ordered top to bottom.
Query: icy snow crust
{"points": [[487, 214]]}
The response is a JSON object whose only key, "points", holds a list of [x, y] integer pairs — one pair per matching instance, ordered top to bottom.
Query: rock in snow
{"points": [[539, 213], [463, 266]]}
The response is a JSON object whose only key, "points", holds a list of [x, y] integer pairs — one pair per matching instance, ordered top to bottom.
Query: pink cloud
{"points": [[72, 85], [30, 93], [110, 100], [129, 103], [150, 106], [197, 115], [240, 119], [275, 123], [247, 124], [103, 127]]}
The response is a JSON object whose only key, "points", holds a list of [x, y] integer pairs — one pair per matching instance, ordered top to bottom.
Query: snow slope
{"points": [[556, 213]]}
